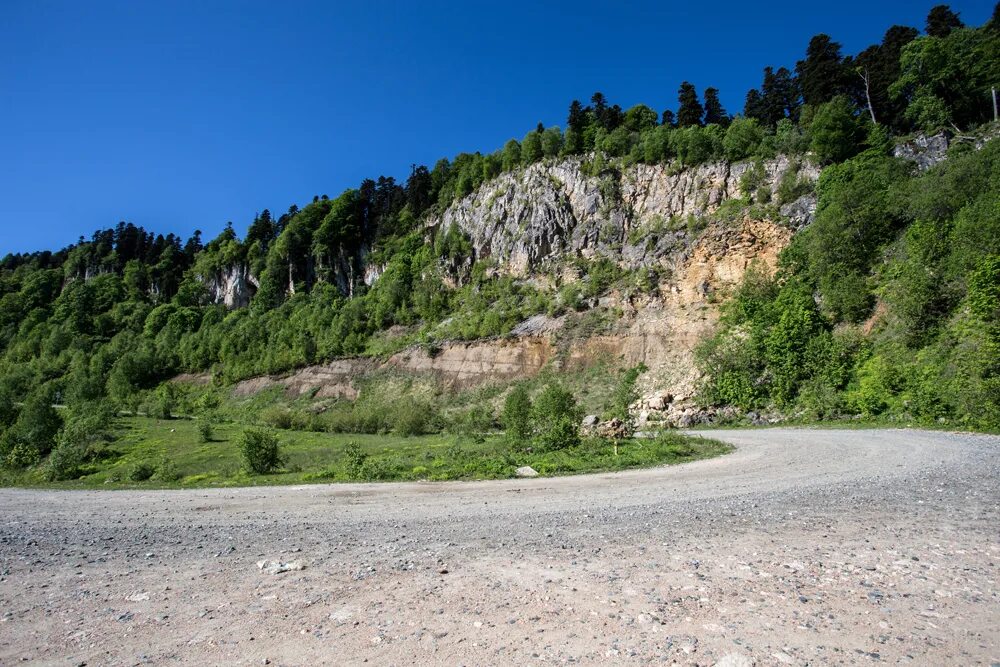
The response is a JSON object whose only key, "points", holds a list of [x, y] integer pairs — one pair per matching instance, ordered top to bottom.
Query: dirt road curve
{"points": [[801, 547]]}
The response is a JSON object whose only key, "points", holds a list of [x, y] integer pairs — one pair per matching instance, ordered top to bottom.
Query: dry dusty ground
{"points": [[802, 547]]}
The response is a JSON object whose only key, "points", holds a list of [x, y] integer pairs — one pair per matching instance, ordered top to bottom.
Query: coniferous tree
{"points": [[941, 21], [878, 68], [822, 74], [785, 90], [778, 98], [599, 101], [773, 101], [600, 107], [752, 107], [689, 111], [714, 113], [613, 117], [669, 118], [577, 120], [576, 125], [418, 189], [261, 230], [193, 245]]}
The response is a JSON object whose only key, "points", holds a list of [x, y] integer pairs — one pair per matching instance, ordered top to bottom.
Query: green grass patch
{"points": [[157, 453]]}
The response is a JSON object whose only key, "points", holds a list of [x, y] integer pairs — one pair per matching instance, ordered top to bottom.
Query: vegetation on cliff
{"points": [[887, 305]]}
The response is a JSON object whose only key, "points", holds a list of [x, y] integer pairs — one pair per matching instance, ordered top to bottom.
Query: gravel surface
{"points": [[801, 547]]}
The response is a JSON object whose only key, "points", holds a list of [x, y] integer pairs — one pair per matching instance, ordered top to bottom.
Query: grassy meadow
{"points": [[144, 452]]}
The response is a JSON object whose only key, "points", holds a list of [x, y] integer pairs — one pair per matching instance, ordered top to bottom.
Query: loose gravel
{"points": [[802, 547]]}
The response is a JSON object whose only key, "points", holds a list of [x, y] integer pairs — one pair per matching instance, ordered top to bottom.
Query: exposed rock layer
{"points": [[637, 216], [456, 365]]}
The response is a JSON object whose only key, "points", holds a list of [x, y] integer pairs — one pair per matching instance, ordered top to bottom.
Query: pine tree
{"points": [[941, 21], [878, 67], [822, 75], [600, 105], [752, 107], [689, 111], [714, 113], [577, 120], [418, 189], [261, 229]]}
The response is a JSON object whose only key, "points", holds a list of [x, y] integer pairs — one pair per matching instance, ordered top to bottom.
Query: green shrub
{"points": [[836, 131], [742, 139], [753, 179], [792, 186], [877, 382], [626, 393], [164, 401], [208, 401], [8, 407], [277, 417], [414, 417], [516, 417], [556, 418], [475, 421], [37, 425], [206, 431], [559, 433], [260, 450], [22, 455], [354, 457], [64, 461], [378, 469], [142, 471], [167, 471]]}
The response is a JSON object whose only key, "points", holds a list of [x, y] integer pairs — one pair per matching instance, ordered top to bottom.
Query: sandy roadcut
{"points": [[801, 547]]}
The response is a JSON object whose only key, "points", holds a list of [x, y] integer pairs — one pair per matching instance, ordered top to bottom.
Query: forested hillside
{"points": [[886, 305]]}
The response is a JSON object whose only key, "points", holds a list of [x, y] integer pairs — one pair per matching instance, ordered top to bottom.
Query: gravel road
{"points": [[817, 547]]}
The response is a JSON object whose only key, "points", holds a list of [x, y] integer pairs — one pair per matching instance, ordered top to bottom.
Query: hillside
{"points": [[830, 253]]}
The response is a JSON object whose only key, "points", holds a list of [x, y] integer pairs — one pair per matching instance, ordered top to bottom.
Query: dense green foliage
{"points": [[888, 305], [100, 325], [625, 393], [516, 416], [555, 418], [260, 450]]}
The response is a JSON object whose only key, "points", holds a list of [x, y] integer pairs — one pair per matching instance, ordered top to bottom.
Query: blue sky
{"points": [[184, 115]]}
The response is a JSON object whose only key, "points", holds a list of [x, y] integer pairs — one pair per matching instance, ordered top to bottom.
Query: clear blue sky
{"points": [[183, 115]]}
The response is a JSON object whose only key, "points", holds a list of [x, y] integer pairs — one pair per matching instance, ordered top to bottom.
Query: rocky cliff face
{"points": [[929, 151], [636, 216], [233, 286]]}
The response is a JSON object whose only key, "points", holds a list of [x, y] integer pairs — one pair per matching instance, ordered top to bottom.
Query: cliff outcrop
{"points": [[637, 216]]}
